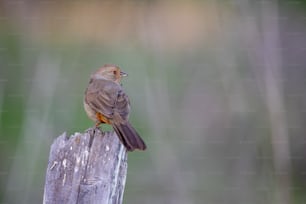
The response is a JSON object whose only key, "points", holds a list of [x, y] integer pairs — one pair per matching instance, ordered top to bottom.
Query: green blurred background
{"points": [[217, 90]]}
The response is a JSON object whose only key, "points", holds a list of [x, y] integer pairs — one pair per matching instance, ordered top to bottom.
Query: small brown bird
{"points": [[106, 102]]}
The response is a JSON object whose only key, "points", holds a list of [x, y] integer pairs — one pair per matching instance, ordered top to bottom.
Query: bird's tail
{"points": [[129, 137]]}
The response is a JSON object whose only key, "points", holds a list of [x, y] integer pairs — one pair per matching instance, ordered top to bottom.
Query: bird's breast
{"points": [[89, 111]]}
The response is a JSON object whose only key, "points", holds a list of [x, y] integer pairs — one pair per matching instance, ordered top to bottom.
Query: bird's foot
{"points": [[96, 127]]}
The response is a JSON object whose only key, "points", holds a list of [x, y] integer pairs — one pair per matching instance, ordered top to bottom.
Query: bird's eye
{"points": [[114, 72]]}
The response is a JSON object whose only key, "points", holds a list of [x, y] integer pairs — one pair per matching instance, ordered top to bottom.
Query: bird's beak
{"points": [[123, 74]]}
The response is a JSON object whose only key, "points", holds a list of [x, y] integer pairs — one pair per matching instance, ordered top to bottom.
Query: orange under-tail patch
{"points": [[102, 119]]}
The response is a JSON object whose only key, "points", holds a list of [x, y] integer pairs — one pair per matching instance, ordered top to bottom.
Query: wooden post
{"points": [[86, 167]]}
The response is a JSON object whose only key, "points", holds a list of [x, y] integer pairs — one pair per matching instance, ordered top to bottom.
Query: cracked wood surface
{"points": [[86, 167]]}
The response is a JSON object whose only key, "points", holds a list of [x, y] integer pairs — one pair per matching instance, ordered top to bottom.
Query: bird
{"points": [[106, 102]]}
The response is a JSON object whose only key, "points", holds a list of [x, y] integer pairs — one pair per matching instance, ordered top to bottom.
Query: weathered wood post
{"points": [[86, 168]]}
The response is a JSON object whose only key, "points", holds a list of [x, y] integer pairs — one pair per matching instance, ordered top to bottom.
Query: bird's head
{"points": [[110, 72]]}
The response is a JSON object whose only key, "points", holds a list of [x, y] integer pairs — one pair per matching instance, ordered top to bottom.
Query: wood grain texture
{"points": [[86, 167]]}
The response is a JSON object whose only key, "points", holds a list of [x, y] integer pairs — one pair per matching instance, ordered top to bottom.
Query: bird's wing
{"points": [[107, 98], [122, 105]]}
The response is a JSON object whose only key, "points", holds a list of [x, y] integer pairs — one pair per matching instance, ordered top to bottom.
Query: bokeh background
{"points": [[217, 90]]}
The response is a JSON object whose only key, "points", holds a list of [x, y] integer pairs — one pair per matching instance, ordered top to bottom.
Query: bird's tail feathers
{"points": [[129, 137]]}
